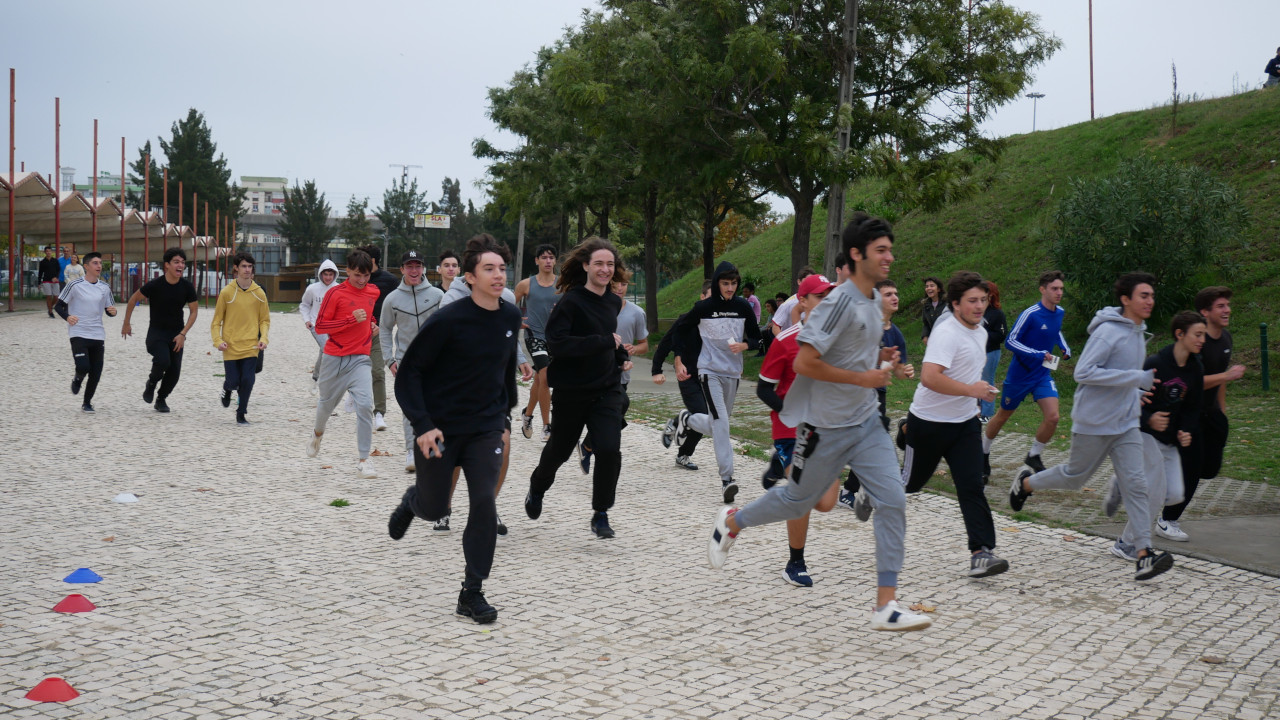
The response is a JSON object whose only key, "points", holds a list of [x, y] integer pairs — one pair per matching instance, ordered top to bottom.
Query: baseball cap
{"points": [[412, 256], [814, 284]]}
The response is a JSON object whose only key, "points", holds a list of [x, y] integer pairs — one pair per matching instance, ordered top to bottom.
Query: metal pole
{"points": [[968, 27], [1090, 59], [13, 82], [57, 171], [95, 185], [835, 197], [180, 216], [195, 224], [146, 229], [519, 249], [121, 269], [204, 274], [1266, 361]]}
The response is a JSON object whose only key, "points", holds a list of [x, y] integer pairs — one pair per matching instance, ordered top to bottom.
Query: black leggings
{"points": [[88, 355], [166, 363], [695, 402], [600, 411], [961, 445], [480, 457], [1201, 460]]}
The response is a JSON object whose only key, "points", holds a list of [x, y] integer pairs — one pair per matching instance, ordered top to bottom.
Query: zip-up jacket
{"points": [[404, 310], [709, 327], [1037, 331], [347, 336]]}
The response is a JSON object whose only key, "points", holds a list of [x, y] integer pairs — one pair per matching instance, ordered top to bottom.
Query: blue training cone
{"points": [[83, 575]]}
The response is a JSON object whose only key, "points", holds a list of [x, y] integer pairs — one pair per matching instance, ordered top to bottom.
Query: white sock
{"points": [[986, 444], [1037, 447]]}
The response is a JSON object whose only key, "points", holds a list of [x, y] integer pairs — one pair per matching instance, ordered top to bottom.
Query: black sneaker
{"points": [[75, 384], [149, 393], [226, 398], [162, 406], [86, 408], [241, 419], [682, 427], [669, 432], [902, 434], [584, 458], [1034, 462], [986, 468], [768, 479], [730, 489], [1017, 495], [533, 505], [401, 516], [600, 526], [502, 527], [984, 564], [1153, 564], [471, 604]]}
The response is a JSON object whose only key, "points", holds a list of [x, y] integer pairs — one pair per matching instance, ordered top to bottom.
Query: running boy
{"points": [[537, 295], [81, 304], [241, 319], [167, 334]]}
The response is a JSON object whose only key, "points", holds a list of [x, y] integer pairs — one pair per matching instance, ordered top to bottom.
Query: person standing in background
{"points": [[997, 330]]}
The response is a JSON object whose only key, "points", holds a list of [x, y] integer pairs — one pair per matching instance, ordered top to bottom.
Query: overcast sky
{"points": [[338, 91]]}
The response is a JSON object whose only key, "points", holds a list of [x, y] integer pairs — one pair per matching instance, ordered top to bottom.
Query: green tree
{"points": [[194, 161], [400, 203], [1164, 218], [304, 222], [355, 228]]}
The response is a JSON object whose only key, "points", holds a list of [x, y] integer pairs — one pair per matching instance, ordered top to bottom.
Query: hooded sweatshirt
{"points": [[315, 292], [404, 310], [240, 319], [706, 330], [1179, 393], [1108, 399]]}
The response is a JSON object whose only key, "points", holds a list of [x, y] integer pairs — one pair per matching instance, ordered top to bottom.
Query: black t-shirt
{"points": [[167, 301], [1216, 356]]}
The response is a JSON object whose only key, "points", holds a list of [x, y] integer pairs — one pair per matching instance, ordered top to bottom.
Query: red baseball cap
{"points": [[814, 284]]}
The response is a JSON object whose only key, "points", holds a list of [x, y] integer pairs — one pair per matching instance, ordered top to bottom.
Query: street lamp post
{"points": [[1035, 96]]}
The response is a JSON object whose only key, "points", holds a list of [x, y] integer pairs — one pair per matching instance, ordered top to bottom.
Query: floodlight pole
{"points": [[1035, 96], [835, 195]]}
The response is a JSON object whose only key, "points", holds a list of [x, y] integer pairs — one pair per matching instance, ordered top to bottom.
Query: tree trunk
{"points": [[803, 207], [604, 220], [582, 223], [564, 232], [708, 236], [651, 258]]}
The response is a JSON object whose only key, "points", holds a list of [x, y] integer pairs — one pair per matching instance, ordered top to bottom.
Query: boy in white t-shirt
{"points": [[943, 419]]}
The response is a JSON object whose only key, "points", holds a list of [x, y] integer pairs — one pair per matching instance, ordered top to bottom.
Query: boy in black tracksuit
{"points": [[585, 376], [690, 392]]}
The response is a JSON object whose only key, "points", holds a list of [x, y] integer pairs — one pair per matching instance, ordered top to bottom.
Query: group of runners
{"points": [[454, 355]]}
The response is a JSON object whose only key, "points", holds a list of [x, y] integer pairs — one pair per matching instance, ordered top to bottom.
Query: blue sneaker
{"points": [[584, 458], [845, 500], [797, 574]]}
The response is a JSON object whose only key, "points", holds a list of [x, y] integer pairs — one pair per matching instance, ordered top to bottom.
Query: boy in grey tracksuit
{"points": [[403, 312], [716, 332], [1106, 412]]}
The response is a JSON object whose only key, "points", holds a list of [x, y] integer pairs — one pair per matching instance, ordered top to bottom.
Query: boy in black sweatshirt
{"points": [[585, 377], [457, 385], [690, 392]]}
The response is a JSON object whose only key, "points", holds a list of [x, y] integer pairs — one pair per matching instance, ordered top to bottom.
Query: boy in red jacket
{"points": [[346, 316]]}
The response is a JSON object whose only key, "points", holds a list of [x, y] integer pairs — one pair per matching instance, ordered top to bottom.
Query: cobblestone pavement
{"points": [[233, 589]]}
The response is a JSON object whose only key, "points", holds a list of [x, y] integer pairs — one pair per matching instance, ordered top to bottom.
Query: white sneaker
{"points": [[349, 405], [379, 423], [546, 433], [313, 446], [410, 465], [365, 471], [1171, 531], [721, 539], [893, 618]]}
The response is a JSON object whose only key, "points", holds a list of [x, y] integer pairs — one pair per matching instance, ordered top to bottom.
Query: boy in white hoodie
{"points": [[327, 275], [1105, 415]]}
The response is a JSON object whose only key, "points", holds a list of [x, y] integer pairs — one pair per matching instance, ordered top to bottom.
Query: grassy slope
{"points": [[1237, 138]]}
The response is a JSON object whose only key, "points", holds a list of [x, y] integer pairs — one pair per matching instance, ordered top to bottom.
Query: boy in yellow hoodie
{"points": [[240, 323]]}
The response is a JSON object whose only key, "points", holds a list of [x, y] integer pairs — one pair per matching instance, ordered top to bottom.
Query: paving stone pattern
{"points": [[233, 590]]}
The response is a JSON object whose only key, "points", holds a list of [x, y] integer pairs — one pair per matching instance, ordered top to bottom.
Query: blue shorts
{"points": [[1013, 393], [784, 449]]}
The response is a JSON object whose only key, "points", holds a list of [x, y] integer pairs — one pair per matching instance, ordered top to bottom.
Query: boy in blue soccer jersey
{"points": [[1032, 340]]}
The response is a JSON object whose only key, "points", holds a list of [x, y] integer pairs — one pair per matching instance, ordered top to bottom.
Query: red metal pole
{"points": [[1090, 59], [13, 83], [57, 165], [164, 211], [94, 214], [180, 215], [195, 224], [146, 229], [121, 268], [204, 275]]}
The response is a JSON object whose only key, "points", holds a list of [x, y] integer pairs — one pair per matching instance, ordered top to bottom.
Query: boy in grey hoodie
{"points": [[403, 312], [1105, 416]]}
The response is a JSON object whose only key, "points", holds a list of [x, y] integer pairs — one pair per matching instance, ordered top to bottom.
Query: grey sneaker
{"points": [[526, 424], [669, 432], [546, 433], [684, 462], [730, 490], [862, 505], [441, 525], [1124, 551], [985, 564]]}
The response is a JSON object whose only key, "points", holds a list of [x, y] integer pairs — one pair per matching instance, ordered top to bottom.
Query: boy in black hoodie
{"points": [[716, 332], [585, 376]]}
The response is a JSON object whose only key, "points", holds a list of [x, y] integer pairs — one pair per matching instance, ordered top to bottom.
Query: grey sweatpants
{"points": [[320, 340], [348, 373], [720, 392], [1087, 454], [819, 460], [1162, 466]]}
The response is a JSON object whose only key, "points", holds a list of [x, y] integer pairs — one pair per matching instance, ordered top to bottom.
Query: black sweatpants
{"points": [[88, 355], [166, 363], [695, 402], [600, 411], [961, 445], [480, 457], [1201, 460]]}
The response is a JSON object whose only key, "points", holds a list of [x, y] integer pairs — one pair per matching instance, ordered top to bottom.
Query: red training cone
{"points": [[74, 603], [53, 689]]}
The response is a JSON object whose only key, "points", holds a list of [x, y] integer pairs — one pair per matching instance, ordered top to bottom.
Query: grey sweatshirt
{"points": [[459, 289], [404, 310], [1108, 399]]}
